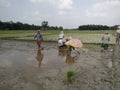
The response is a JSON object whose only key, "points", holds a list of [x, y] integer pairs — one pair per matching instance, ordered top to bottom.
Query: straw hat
{"points": [[118, 27], [118, 30]]}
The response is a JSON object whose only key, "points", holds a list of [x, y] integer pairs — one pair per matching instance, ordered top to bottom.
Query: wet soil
{"points": [[25, 67]]}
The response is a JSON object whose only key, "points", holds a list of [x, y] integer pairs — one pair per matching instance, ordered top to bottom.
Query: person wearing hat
{"points": [[61, 35], [118, 35], [38, 38], [61, 39], [105, 41]]}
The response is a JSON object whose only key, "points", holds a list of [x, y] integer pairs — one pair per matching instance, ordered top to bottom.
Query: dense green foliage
{"points": [[17, 26], [24, 26], [44, 26], [97, 27]]}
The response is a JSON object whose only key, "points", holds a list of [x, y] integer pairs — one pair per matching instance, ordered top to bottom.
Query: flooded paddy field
{"points": [[24, 67]]}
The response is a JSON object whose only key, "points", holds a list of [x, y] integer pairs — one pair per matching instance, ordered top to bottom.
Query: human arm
{"points": [[35, 36]]}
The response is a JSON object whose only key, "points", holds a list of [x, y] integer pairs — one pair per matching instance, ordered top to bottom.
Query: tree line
{"points": [[17, 26], [24, 26], [44, 26], [97, 27]]}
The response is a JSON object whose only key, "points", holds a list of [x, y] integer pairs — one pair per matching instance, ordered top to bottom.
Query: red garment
{"points": [[39, 43]]}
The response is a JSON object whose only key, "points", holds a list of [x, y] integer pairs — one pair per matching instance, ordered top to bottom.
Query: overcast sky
{"points": [[66, 13]]}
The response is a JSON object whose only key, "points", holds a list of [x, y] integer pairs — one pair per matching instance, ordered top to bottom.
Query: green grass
{"points": [[52, 35], [70, 74]]}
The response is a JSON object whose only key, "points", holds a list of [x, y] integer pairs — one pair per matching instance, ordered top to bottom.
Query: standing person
{"points": [[118, 35], [39, 38], [118, 38], [105, 41]]}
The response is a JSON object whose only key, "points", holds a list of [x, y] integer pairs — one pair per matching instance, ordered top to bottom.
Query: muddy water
{"points": [[22, 54], [20, 61], [24, 67]]}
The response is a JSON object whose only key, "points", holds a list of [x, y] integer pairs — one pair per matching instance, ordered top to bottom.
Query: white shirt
{"points": [[61, 35], [106, 38], [60, 42]]}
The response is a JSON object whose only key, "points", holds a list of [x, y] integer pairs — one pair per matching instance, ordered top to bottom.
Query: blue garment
{"points": [[38, 37]]}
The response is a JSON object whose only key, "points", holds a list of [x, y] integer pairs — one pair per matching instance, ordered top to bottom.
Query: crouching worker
{"points": [[38, 38], [61, 39], [69, 47]]}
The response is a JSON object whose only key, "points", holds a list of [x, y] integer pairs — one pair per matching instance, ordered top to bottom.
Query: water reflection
{"points": [[62, 51], [70, 56], [39, 57], [106, 59]]}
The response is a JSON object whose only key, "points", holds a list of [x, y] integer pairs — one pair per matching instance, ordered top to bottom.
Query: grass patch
{"points": [[52, 35], [70, 74]]}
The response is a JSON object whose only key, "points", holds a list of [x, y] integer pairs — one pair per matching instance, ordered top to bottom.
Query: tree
{"points": [[44, 25], [60, 28]]}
